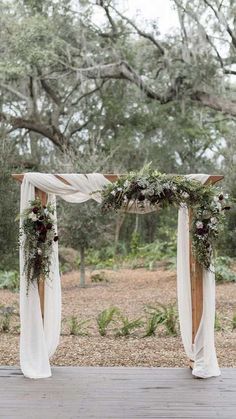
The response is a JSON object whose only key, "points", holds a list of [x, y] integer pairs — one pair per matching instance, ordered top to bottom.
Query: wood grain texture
{"points": [[196, 276], [41, 285], [117, 393]]}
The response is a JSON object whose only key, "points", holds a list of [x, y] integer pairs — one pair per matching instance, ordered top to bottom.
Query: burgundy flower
{"points": [[141, 197], [221, 197], [227, 208], [35, 210], [41, 217], [40, 226], [49, 226], [202, 231], [42, 236], [55, 239]]}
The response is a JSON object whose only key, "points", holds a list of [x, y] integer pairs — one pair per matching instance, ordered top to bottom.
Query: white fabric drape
{"points": [[39, 340], [202, 351]]}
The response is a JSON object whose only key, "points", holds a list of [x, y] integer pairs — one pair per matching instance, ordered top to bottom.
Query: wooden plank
{"points": [[113, 177], [196, 277], [41, 285], [117, 393]]}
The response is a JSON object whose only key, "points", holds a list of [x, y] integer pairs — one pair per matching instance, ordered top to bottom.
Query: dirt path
{"points": [[130, 291]]}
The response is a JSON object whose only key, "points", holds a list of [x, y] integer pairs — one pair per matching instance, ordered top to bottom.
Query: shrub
{"points": [[135, 243], [149, 254], [100, 259], [223, 270], [99, 277], [9, 280], [105, 318], [5, 319], [5, 323], [128, 326], [77, 328]]}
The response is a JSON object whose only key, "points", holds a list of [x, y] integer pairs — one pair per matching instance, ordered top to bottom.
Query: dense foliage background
{"points": [[80, 94]]}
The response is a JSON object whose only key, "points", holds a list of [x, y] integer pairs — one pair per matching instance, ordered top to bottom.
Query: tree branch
{"points": [[109, 17], [221, 19], [201, 27], [140, 32], [120, 70], [123, 71], [232, 72], [14, 91], [50, 92], [88, 94], [217, 103], [78, 127], [48, 131]]}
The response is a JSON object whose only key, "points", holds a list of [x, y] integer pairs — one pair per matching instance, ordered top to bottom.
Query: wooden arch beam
{"points": [[113, 177]]}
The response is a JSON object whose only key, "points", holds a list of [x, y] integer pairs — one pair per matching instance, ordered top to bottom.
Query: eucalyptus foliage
{"points": [[156, 190]]}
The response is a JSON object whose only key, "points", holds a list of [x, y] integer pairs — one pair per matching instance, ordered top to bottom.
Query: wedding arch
{"points": [[40, 307]]}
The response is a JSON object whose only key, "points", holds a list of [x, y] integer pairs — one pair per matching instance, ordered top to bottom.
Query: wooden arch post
{"points": [[43, 198], [196, 271], [196, 276]]}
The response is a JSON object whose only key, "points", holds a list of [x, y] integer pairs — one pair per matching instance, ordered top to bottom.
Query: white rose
{"points": [[119, 189], [113, 193], [185, 195], [32, 216], [213, 220], [199, 224], [39, 251]]}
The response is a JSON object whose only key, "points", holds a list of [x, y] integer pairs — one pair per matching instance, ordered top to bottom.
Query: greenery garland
{"points": [[161, 190], [38, 229]]}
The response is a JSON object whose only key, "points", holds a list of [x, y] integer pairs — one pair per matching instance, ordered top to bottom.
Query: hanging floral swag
{"points": [[157, 190], [39, 233]]}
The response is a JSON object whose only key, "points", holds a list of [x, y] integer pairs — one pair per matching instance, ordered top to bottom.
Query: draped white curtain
{"points": [[39, 339], [202, 351]]}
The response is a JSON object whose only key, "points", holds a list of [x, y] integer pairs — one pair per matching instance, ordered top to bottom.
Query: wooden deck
{"points": [[117, 393]]}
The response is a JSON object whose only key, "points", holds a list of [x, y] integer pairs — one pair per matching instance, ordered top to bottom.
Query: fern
{"points": [[162, 314], [105, 318], [234, 322], [152, 323], [128, 326], [77, 328]]}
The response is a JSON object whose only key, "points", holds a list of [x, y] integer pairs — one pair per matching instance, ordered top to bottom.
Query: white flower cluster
{"points": [[32, 216], [199, 224]]}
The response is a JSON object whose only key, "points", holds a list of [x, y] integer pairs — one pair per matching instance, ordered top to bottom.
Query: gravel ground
{"points": [[131, 291]]}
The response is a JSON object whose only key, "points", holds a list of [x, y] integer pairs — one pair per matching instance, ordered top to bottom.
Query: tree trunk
{"points": [[119, 222], [136, 223], [82, 268]]}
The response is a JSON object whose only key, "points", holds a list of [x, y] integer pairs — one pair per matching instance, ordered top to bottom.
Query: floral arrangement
{"points": [[154, 189], [38, 229]]}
